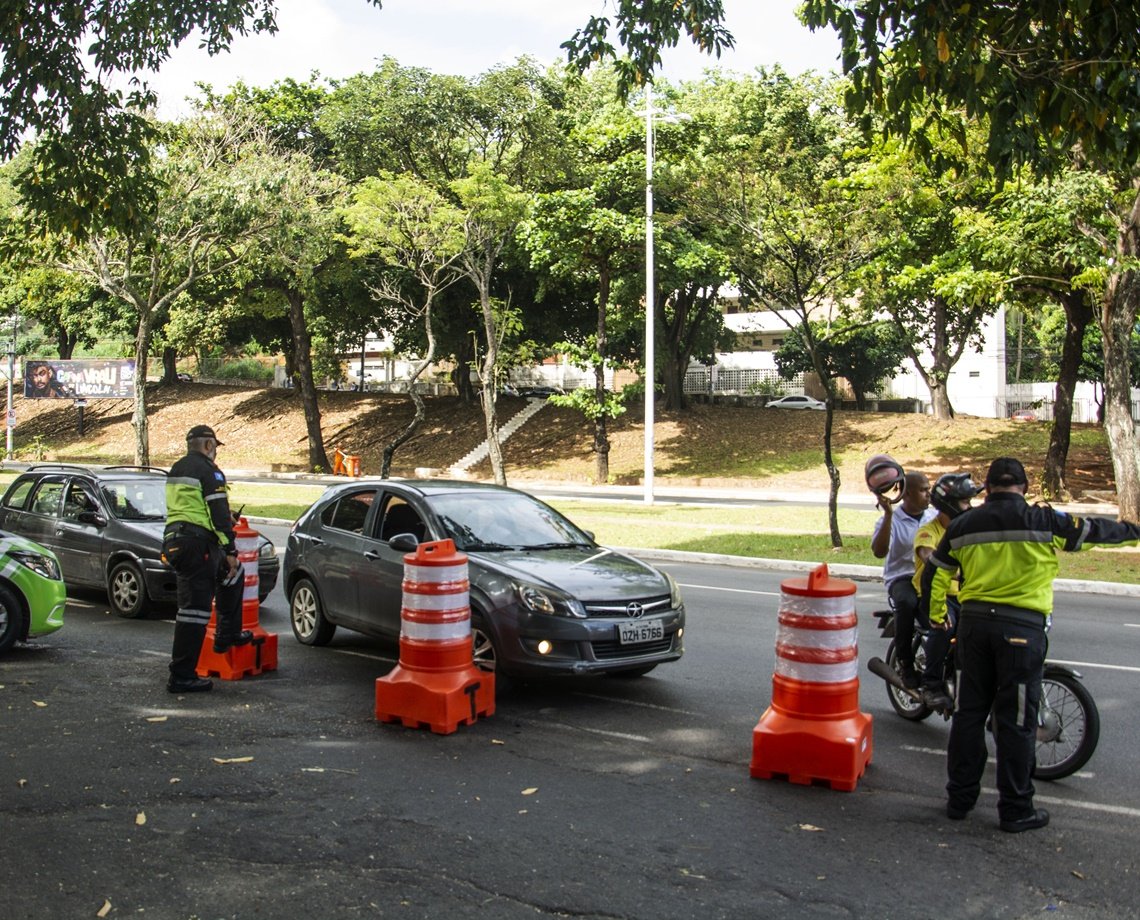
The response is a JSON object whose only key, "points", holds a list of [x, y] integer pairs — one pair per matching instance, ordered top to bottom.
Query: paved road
{"points": [[599, 799]]}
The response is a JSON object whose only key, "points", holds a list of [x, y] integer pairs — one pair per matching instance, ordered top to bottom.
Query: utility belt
{"points": [[186, 529], [1006, 613]]}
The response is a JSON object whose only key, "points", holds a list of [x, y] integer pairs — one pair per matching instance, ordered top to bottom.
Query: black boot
{"points": [[188, 639], [223, 644]]}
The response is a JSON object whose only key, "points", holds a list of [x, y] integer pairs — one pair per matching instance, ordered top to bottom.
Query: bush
{"points": [[245, 369]]}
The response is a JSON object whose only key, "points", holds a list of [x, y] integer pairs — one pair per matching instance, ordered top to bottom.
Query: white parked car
{"points": [[796, 402]]}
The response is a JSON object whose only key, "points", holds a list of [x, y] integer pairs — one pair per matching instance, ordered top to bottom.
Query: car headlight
{"points": [[267, 550], [44, 566], [542, 600], [675, 600]]}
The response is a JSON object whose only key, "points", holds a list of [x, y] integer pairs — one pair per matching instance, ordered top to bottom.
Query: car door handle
{"points": [[372, 554]]}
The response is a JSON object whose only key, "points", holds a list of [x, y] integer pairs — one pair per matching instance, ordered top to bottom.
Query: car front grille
{"points": [[649, 606], [611, 649]]}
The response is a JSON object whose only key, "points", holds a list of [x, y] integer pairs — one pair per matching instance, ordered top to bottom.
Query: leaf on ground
{"points": [[40, 703], [157, 718], [497, 741], [233, 760], [21, 783], [531, 791], [140, 818], [810, 827], [1078, 874], [104, 910]]}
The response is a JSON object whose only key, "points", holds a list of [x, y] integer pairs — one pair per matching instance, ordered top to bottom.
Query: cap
{"points": [[202, 431], [1006, 471]]}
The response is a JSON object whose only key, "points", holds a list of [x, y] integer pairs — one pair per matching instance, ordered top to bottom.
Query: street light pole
{"points": [[649, 317]]}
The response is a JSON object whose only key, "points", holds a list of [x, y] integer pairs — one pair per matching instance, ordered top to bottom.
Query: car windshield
{"points": [[139, 500], [495, 521]]}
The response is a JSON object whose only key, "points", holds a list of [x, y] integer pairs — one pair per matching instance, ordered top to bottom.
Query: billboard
{"points": [[45, 378]]}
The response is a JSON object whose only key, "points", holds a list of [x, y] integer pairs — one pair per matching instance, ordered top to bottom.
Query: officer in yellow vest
{"points": [[198, 542], [1006, 552]]}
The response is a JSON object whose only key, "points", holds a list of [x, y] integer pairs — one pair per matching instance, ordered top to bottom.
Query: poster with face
{"points": [[48, 379]]}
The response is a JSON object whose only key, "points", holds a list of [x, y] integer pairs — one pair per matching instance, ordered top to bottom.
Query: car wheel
{"points": [[126, 590], [308, 616], [11, 619], [482, 646]]}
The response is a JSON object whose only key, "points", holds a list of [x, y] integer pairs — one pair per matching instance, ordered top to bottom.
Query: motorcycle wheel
{"points": [[903, 703], [1069, 727]]}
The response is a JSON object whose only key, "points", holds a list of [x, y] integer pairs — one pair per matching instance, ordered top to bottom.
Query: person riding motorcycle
{"points": [[950, 496]]}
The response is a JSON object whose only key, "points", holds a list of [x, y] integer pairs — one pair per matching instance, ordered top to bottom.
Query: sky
{"points": [[340, 38]]}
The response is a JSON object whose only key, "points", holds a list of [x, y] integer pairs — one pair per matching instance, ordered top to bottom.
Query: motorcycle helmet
{"points": [[883, 474], [950, 490]]}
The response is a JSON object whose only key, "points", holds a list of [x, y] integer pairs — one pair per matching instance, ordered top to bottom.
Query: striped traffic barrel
{"points": [[436, 683], [813, 730]]}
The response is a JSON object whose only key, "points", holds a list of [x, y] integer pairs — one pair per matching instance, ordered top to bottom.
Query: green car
{"points": [[32, 595]]}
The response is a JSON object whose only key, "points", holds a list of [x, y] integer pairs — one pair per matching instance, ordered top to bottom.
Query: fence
{"points": [[741, 381]]}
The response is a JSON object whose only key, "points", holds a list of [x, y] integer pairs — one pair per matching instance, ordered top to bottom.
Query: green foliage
{"points": [[240, 369], [585, 400]]}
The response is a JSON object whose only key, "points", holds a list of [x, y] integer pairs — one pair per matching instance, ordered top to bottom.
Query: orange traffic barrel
{"points": [[352, 462], [260, 654], [436, 683], [813, 730]]}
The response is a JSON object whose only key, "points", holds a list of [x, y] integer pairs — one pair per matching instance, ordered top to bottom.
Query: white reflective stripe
{"points": [[246, 543], [434, 574], [250, 592], [457, 601], [818, 606], [197, 617], [435, 632], [817, 638], [817, 673]]}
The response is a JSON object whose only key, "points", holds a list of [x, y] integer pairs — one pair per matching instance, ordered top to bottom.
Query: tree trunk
{"points": [[1078, 314], [1117, 320], [303, 350], [169, 365], [461, 375], [490, 389], [419, 412], [139, 420], [601, 438], [833, 477]]}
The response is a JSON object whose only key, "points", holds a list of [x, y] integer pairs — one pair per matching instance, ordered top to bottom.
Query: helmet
{"points": [[882, 474], [950, 490]]}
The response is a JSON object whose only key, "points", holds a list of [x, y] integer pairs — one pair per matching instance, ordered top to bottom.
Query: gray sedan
{"points": [[545, 598]]}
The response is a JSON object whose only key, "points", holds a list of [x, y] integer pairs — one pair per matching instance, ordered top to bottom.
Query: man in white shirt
{"points": [[893, 539]]}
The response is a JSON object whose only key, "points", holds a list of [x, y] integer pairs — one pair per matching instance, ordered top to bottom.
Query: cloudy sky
{"points": [[339, 38]]}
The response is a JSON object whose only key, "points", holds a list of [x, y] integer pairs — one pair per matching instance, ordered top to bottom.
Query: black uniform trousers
{"points": [[1000, 665]]}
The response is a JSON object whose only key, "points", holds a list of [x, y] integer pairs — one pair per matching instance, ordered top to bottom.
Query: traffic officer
{"points": [[198, 542], [1005, 551]]}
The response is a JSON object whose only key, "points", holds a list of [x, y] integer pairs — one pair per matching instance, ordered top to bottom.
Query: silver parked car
{"points": [[796, 402], [545, 598]]}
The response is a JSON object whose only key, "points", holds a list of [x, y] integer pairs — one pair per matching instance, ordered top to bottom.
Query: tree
{"points": [[1053, 81], [780, 185], [215, 204], [418, 235], [864, 354]]}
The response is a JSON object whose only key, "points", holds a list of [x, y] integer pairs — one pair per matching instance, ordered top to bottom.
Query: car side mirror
{"points": [[91, 517], [404, 542]]}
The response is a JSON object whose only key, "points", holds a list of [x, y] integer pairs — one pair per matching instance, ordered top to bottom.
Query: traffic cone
{"points": [[260, 654], [436, 684], [813, 729]]}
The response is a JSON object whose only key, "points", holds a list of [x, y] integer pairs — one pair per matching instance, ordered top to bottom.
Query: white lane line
{"points": [[731, 590], [1133, 625], [368, 655], [1093, 664], [627, 702], [621, 736], [940, 752]]}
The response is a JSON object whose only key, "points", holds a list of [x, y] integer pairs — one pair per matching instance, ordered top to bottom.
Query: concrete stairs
{"points": [[458, 470]]}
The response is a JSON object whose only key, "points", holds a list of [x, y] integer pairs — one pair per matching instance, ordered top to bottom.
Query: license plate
{"points": [[639, 631]]}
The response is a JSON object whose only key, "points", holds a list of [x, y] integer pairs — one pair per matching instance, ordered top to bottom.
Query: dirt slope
{"points": [[720, 446]]}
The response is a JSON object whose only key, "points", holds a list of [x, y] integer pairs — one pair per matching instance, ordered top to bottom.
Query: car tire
{"points": [[126, 590], [307, 615], [11, 619], [483, 650]]}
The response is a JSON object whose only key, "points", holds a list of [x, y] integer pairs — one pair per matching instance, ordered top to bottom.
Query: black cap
{"points": [[202, 431], [1006, 471]]}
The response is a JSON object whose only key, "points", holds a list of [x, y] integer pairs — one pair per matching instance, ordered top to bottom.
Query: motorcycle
{"points": [[1068, 722]]}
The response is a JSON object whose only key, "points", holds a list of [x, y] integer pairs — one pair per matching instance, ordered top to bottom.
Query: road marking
{"points": [[732, 590], [369, 655], [1093, 664], [627, 702], [623, 736], [939, 752]]}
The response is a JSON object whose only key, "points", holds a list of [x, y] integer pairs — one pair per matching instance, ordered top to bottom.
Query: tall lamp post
{"points": [[650, 317]]}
